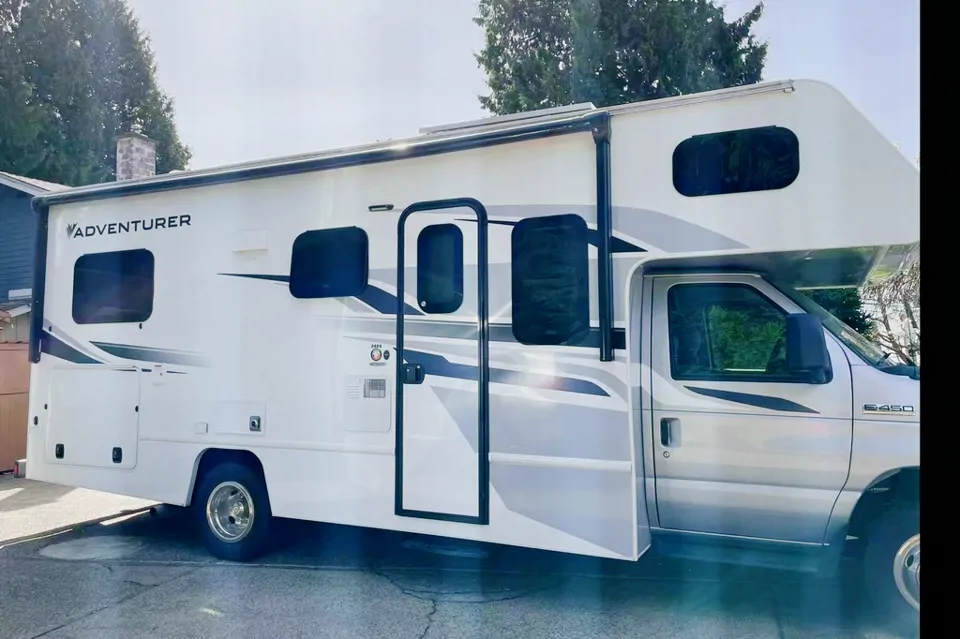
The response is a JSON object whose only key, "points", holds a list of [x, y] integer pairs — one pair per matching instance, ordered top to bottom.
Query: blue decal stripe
{"points": [[593, 237], [260, 276], [376, 298], [383, 302], [386, 304], [54, 346], [150, 354], [442, 367], [759, 401]]}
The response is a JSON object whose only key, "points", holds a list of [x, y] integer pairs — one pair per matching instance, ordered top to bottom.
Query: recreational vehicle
{"points": [[580, 330]]}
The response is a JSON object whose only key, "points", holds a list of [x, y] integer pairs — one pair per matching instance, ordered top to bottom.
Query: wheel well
{"points": [[213, 457], [887, 491]]}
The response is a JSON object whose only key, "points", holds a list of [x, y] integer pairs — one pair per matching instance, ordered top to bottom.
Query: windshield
{"points": [[863, 347]]}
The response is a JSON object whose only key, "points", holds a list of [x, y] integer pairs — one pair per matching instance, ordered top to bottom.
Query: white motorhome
{"points": [[577, 330]]}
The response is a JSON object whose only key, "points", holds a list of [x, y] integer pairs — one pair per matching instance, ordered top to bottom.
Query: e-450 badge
{"points": [[888, 409]]}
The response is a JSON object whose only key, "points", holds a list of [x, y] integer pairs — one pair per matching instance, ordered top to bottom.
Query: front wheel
{"points": [[233, 512], [892, 567]]}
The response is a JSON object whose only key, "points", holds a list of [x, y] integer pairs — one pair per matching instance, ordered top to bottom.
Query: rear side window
{"points": [[743, 161], [329, 263], [440, 268], [115, 287], [551, 303]]}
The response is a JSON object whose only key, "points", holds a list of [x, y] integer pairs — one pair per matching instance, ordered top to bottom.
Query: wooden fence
{"points": [[14, 387]]}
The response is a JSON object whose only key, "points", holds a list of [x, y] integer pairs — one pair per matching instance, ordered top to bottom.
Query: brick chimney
{"points": [[136, 156]]}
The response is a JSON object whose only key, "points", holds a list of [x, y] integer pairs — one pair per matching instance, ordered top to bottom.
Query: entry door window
{"points": [[440, 268], [726, 332]]}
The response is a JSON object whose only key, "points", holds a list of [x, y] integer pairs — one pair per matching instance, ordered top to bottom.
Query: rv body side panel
{"points": [[853, 187], [227, 344], [228, 357]]}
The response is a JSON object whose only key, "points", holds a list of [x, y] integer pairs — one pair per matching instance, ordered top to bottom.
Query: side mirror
{"points": [[807, 348]]}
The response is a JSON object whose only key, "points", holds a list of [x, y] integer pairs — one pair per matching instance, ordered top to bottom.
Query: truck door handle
{"points": [[670, 432]]}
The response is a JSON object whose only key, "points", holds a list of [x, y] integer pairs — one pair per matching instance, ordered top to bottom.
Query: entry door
{"points": [[741, 446], [442, 465]]}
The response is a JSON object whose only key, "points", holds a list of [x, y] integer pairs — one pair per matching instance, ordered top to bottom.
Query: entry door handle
{"points": [[413, 373], [669, 432]]}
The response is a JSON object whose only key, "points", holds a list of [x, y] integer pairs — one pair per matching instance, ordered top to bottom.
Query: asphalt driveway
{"points": [[146, 576]]}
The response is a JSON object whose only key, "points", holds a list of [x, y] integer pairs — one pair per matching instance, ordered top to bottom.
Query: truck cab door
{"points": [[741, 446]]}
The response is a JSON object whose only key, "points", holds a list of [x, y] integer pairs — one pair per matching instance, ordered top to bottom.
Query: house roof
{"points": [[29, 185], [12, 305], [11, 309]]}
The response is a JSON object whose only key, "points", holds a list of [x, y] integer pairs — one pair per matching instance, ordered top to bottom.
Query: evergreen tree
{"points": [[74, 74]]}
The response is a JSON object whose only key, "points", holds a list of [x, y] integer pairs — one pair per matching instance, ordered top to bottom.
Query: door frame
{"points": [[483, 357]]}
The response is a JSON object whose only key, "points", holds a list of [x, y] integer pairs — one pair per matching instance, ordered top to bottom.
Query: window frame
{"points": [[699, 140], [295, 290], [423, 304], [148, 313], [573, 339], [788, 378]]}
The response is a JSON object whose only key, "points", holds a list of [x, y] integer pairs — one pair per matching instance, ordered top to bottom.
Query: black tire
{"points": [[885, 538], [253, 541]]}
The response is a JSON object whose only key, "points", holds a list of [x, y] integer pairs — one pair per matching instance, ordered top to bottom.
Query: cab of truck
{"points": [[769, 424]]}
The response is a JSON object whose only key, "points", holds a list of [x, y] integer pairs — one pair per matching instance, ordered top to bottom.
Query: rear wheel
{"points": [[232, 509], [892, 567]]}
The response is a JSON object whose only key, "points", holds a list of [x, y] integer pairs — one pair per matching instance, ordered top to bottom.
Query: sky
{"points": [[254, 80]]}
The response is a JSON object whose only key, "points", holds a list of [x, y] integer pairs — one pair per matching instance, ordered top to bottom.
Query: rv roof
{"points": [[526, 116], [439, 140]]}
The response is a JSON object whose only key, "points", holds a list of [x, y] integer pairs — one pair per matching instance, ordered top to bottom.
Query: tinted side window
{"points": [[741, 161], [329, 263], [440, 268], [113, 287], [551, 303], [725, 331]]}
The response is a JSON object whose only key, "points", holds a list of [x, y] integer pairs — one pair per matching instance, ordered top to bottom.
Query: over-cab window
{"points": [[742, 161], [329, 263], [440, 268], [113, 287], [550, 293], [726, 332]]}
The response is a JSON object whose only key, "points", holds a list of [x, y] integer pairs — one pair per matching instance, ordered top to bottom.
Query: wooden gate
{"points": [[14, 388]]}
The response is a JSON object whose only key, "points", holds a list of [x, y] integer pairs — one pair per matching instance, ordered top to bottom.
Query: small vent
{"points": [[375, 388]]}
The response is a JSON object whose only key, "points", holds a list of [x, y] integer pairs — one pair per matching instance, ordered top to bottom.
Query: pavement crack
{"points": [[133, 582], [143, 589], [479, 596], [430, 619]]}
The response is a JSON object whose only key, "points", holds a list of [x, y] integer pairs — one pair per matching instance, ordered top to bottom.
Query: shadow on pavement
{"points": [[14, 493]]}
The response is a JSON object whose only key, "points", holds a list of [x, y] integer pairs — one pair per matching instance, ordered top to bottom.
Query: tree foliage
{"points": [[547, 53], [74, 74], [846, 304], [895, 310]]}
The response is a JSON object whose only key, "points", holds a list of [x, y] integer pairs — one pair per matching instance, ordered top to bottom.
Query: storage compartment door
{"points": [[93, 417]]}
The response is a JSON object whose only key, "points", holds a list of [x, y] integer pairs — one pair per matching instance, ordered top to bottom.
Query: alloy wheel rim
{"points": [[230, 512], [906, 571]]}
